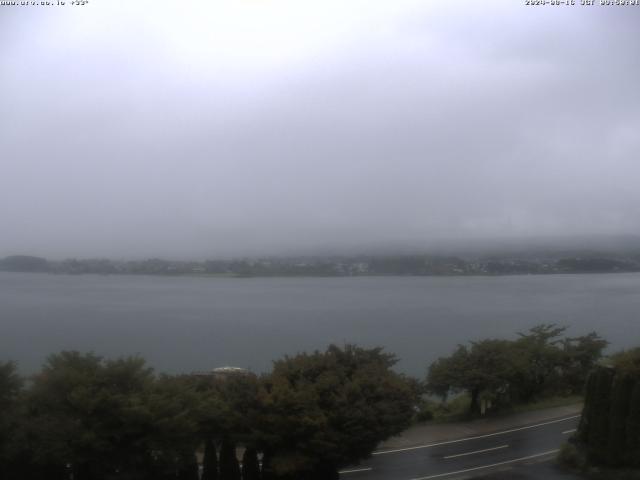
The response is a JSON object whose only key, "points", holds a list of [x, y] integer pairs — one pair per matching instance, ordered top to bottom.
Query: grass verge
{"points": [[457, 409]]}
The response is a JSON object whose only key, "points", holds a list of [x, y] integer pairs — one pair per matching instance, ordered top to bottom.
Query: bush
{"points": [[424, 416]]}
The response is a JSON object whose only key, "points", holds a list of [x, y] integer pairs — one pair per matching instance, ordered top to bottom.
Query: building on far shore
{"points": [[222, 372]]}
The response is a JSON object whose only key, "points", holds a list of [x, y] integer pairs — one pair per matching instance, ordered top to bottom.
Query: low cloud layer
{"points": [[198, 129]]}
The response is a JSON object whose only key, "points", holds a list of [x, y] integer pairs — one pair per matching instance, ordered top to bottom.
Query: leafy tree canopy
{"points": [[539, 362], [332, 408]]}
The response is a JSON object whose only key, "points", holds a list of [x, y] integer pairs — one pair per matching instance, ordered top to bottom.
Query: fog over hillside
{"points": [[225, 128]]}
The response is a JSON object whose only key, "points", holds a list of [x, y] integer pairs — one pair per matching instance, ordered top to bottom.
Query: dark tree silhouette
{"points": [[210, 461], [250, 466], [229, 467]]}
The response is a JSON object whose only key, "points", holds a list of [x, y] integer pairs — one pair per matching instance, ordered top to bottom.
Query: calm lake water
{"points": [[183, 324]]}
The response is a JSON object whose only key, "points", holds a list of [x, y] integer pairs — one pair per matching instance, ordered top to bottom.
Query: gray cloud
{"points": [[126, 134]]}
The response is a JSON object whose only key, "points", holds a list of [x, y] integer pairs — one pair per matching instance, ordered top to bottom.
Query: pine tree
{"points": [[600, 399], [620, 404], [632, 454], [210, 461], [229, 467], [250, 467], [266, 473]]}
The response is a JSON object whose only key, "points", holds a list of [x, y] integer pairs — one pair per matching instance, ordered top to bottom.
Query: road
{"points": [[467, 457]]}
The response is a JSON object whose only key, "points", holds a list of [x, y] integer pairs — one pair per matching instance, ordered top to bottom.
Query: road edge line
{"points": [[467, 439], [506, 462]]}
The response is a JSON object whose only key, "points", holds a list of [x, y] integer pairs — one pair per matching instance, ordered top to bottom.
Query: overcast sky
{"points": [[209, 128]]}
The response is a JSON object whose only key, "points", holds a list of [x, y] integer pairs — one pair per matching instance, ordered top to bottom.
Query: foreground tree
{"points": [[581, 355], [484, 371], [502, 372], [539, 372], [61, 404], [228, 406], [329, 409], [10, 416], [100, 418], [94, 419], [609, 431], [172, 434], [209, 461], [250, 465], [229, 466]]}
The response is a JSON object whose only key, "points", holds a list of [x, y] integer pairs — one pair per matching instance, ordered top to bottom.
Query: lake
{"points": [[181, 324]]}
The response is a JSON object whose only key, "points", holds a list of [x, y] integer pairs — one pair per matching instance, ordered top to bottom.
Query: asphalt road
{"points": [[467, 457]]}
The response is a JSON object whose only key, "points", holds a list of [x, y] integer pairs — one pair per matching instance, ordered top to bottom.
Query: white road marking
{"points": [[569, 431], [430, 445], [477, 451], [488, 466], [356, 470]]}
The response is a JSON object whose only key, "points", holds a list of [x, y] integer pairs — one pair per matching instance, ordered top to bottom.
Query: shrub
{"points": [[424, 416]]}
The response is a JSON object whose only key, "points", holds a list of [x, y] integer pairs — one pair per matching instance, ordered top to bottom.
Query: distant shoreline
{"points": [[417, 265], [302, 276]]}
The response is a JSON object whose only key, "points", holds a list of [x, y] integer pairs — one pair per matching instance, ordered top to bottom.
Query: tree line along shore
{"points": [[90, 418]]}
